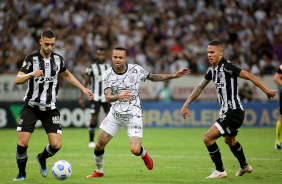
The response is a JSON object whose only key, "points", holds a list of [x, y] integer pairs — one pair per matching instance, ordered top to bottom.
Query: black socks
{"points": [[237, 150], [47, 152], [216, 156], [21, 159]]}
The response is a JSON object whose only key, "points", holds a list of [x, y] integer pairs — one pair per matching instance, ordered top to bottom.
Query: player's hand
{"points": [[37, 73], [180, 73], [89, 93], [271, 94], [126, 95], [81, 102], [185, 112]]}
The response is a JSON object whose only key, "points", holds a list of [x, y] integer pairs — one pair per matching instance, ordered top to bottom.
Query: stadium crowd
{"points": [[161, 36]]}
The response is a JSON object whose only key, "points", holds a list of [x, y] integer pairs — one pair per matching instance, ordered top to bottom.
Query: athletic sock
{"points": [[278, 131], [91, 133], [237, 150], [142, 151], [47, 152], [21, 156], [216, 156], [99, 160]]}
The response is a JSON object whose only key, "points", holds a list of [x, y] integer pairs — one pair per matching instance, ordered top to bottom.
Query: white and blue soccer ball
{"points": [[61, 170]]}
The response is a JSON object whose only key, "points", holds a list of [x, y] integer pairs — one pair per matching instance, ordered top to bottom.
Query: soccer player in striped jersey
{"points": [[40, 70], [93, 75], [231, 115]]}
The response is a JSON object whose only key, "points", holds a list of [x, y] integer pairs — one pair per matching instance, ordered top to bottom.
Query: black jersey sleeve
{"points": [[62, 65], [27, 66], [232, 69], [279, 70], [89, 71], [208, 75]]}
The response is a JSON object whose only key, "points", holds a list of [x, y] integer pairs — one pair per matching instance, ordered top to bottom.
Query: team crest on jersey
{"points": [[131, 79]]}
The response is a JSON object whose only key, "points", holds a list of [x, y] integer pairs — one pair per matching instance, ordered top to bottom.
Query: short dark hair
{"points": [[48, 34], [216, 43], [120, 48], [101, 49]]}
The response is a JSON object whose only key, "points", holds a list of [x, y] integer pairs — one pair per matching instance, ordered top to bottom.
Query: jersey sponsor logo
{"points": [[228, 71], [44, 79], [219, 85], [123, 100], [56, 119]]}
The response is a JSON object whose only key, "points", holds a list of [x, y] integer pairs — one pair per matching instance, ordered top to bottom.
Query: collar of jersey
{"points": [[220, 62], [123, 72]]}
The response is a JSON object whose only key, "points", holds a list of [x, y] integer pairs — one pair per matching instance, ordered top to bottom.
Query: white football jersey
{"points": [[130, 79]]}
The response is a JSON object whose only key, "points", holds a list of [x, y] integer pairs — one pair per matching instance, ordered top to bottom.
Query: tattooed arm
{"points": [[161, 77], [196, 92], [110, 97]]}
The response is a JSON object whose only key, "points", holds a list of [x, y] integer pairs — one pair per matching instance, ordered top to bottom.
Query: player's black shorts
{"points": [[95, 106], [50, 120], [230, 122]]}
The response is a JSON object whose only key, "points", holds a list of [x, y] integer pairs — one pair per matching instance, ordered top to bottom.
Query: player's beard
{"points": [[46, 51], [121, 68]]}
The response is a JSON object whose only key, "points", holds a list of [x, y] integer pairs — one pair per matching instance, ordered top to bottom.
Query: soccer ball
{"points": [[61, 170]]}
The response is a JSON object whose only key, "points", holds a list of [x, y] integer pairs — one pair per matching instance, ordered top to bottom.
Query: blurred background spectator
{"points": [[161, 36], [245, 92], [164, 93]]}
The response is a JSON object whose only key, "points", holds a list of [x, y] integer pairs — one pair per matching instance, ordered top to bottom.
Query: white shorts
{"points": [[133, 126]]}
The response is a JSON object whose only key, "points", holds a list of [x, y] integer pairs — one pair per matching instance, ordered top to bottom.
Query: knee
{"points": [[207, 140], [22, 144], [56, 145], [135, 151]]}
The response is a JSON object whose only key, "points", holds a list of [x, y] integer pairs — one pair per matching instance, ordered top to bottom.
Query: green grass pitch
{"points": [[179, 157]]}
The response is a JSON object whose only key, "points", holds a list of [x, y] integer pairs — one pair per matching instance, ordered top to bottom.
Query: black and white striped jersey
{"points": [[95, 72], [224, 76], [43, 91]]}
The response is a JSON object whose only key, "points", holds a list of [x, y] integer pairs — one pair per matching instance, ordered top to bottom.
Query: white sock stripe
{"points": [[49, 150], [214, 151]]}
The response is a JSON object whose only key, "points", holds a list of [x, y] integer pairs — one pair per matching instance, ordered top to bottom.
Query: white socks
{"points": [[143, 152], [99, 162]]}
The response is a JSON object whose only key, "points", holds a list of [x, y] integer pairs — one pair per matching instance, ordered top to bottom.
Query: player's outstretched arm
{"points": [[248, 76], [162, 77], [71, 79], [195, 93]]}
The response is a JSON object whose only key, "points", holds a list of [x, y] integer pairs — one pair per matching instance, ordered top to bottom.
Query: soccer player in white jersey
{"points": [[41, 70], [122, 90], [231, 115]]}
